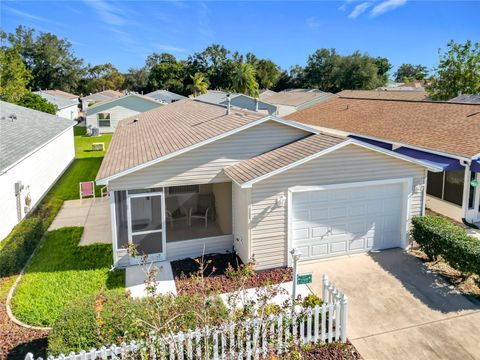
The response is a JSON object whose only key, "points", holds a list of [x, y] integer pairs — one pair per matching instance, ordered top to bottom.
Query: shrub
{"points": [[438, 237], [18, 246], [311, 300], [114, 317]]}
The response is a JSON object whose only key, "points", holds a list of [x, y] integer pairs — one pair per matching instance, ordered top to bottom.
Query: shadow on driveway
{"points": [[430, 288]]}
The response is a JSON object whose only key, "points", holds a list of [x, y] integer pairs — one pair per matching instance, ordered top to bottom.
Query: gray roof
{"points": [[102, 96], [165, 96], [467, 99], [60, 101], [241, 101], [23, 130]]}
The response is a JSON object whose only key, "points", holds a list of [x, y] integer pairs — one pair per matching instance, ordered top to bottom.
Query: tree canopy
{"points": [[458, 71], [409, 72], [14, 76]]}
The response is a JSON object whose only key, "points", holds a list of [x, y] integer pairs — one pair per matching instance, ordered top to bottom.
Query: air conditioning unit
{"points": [[95, 131]]}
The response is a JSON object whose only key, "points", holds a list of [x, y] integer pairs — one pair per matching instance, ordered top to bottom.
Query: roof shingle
{"points": [[415, 95]]}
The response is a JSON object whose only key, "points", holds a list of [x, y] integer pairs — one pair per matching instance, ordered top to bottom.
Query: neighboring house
{"points": [[418, 95], [165, 96], [99, 97], [466, 99], [240, 101], [289, 101], [67, 106], [106, 115], [441, 133], [35, 149], [191, 178]]}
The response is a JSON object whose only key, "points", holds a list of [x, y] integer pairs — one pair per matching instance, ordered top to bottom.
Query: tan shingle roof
{"points": [[61, 93], [416, 95], [295, 97], [439, 126], [168, 129], [253, 168]]}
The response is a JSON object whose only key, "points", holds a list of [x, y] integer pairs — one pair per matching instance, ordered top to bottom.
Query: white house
{"points": [[291, 100], [67, 104], [105, 115], [35, 149], [192, 177]]}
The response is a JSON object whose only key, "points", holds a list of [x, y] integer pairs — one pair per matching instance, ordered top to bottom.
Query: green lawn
{"points": [[83, 144], [60, 272]]}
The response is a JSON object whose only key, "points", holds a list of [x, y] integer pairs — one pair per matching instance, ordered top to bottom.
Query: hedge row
{"points": [[438, 237], [19, 245], [114, 317]]}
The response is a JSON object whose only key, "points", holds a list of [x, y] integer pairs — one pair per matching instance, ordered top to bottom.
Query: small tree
{"points": [[458, 71], [409, 72], [14, 76], [244, 80], [199, 85], [36, 102]]}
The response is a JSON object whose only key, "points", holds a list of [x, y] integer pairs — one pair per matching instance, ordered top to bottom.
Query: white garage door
{"points": [[340, 221]]}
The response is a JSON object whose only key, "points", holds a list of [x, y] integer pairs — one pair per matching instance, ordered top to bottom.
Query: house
{"points": [[385, 94], [165, 96], [99, 97], [466, 99], [291, 100], [240, 101], [67, 104], [105, 116], [442, 133], [35, 150], [192, 178]]}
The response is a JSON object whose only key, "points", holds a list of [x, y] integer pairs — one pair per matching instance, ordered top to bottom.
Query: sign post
{"points": [[296, 256]]}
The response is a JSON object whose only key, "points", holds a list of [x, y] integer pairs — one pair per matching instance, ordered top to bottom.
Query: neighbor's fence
{"points": [[250, 340]]}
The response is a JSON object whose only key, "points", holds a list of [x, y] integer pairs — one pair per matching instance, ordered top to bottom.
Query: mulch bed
{"points": [[215, 278], [17, 341], [334, 351]]}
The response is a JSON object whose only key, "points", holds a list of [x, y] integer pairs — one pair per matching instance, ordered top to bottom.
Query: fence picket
{"points": [[330, 322], [316, 323], [232, 340], [198, 344]]}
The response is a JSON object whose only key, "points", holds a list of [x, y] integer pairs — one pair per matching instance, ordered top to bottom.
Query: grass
{"points": [[83, 144], [60, 272]]}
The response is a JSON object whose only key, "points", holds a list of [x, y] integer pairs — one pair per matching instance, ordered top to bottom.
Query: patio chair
{"points": [[87, 189], [204, 207], [174, 211]]}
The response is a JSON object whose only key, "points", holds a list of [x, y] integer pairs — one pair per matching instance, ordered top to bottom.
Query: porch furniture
{"points": [[99, 146], [87, 189], [203, 208], [174, 211]]}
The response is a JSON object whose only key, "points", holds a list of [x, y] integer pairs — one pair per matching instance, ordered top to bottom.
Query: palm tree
{"points": [[244, 80], [199, 85]]}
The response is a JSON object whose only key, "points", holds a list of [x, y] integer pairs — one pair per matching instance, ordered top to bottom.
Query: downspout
{"points": [[466, 182]]}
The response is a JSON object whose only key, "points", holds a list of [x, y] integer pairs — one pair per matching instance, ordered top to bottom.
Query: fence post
{"points": [[326, 283], [343, 318]]}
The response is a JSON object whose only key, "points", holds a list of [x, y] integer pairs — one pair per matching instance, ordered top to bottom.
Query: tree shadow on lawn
{"points": [[60, 252], [431, 289], [37, 347]]}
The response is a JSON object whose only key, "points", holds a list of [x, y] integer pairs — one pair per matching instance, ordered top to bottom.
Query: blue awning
{"points": [[381, 144], [446, 163], [475, 167]]}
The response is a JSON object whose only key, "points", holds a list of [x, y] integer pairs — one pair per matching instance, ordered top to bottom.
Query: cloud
{"points": [[386, 6], [359, 10], [110, 14], [27, 15], [204, 21], [312, 23], [169, 48]]}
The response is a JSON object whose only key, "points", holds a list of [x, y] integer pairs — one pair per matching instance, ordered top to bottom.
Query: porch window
{"points": [[103, 119], [447, 185]]}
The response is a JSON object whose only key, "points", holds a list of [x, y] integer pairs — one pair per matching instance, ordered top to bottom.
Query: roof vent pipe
{"points": [[228, 104], [256, 104]]}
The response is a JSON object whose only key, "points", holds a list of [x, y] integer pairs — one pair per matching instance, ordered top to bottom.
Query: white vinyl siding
{"points": [[205, 164], [38, 173], [269, 234], [241, 238]]}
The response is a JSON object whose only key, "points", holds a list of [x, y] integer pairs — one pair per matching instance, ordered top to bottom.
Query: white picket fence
{"points": [[250, 340]]}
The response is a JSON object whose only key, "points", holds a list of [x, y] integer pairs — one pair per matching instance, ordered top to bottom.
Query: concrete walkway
{"points": [[92, 214], [135, 279], [400, 310]]}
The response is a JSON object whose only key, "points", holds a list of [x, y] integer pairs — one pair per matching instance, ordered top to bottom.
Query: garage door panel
{"points": [[351, 220]]}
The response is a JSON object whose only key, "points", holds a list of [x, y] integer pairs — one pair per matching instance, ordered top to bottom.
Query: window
{"points": [[103, 119], [447, 186], [185, 189]]}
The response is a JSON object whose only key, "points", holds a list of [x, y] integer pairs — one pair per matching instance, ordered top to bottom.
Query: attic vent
{"points": [[135, 120]]}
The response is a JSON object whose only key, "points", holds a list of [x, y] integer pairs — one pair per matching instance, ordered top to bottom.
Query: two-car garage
{"points": [[342, 219]]}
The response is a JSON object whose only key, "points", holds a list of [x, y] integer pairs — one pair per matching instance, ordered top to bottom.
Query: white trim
{"points": [[262, 120], [249, 184], [407, 191], [113, 220]]}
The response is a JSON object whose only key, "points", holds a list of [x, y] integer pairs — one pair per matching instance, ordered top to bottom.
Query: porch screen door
{"points": [[146, 225]]}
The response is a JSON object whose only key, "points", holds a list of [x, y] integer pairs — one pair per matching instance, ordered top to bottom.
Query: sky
{"points": [[125, 32]]}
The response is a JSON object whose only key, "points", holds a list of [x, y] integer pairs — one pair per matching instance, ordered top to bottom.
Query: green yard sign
{"points": [[304, 279]]}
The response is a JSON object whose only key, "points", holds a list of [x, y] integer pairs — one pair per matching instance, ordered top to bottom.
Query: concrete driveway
{"points": [[399, 310]]}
